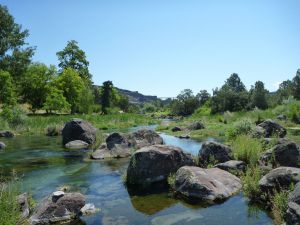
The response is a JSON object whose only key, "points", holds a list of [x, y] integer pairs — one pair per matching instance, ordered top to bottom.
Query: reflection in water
{"points": [[47, 166]]}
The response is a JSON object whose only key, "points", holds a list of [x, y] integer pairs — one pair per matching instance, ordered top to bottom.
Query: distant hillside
{"points": [[136, 97]]}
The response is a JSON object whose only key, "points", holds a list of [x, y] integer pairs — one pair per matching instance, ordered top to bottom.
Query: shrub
{"points": [[14, 116], [242, 127], [247, 149], [171, 180], [251, 183], [279, 206]]}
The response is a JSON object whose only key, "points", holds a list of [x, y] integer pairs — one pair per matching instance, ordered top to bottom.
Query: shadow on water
{"points": [[45, 166]]}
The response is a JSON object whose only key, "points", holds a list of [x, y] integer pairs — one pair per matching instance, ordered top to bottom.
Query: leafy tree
{"points": [[14, 57], [73, 57], [70, 83], [35, 84], [296, 85], [285, 89], [7, 92], [106, 95], [203, 96], [232, 96], [258, 96], [86, 100], [55, 101], [123, 103], [185, 103]]}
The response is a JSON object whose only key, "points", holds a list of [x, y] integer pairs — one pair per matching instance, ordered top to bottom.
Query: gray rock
{"points": [[281, 117], [196, 126], [270, 128], [78, 129], [176, 129], [6, 134], [184, 136], [77, 144], [2, 145], [120, 145], [213, 152], [283, 154], [155, 163], [232, 165], [279, 178], [210, 185], [294, 196], [24, 206], [65, 208], [89, 209], [293, 214]]}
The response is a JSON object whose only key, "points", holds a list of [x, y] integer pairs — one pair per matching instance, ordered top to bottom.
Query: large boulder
{"points": [[196, 126], [270, 128], [78, 129], [175, 129], [6, 134], [77, 144], [2, 145], [120, 145], [213, 152], [284, 154], [153, 164], [232, 166], [279, 178], [211, 185], [58, 207], [293, 212]]}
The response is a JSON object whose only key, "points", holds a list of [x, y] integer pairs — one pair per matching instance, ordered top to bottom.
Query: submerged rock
{"points": [[270, 128], [78, 129], [6, 134], [77, 144], [2, 145], [120, 145], [213, 152], [284, 154], [155, 163], [232, 165], [279, 178], [211, 185], [58, 207], [89, 209]]}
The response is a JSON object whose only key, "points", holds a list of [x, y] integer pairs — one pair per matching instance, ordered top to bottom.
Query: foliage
{"points": [[13, 57], [73, 57], [70, 83], [35, 84], [296, 85], [7, 91], [106, 96], [203, 96], [232, 96], [258, 96], [86, 100], [55, 101], [185, 104], [15, 117], [241, 127], [247, 149], [171, 180], [250, 182], [279, 206], [9, 207]]}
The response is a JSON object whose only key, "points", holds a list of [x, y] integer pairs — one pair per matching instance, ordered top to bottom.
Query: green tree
{"points": [[14, 57], [73, 57], [296, 85], [72, 86], [34, 87], [285, 89], [7, 92], [106, 95], [203, 96], [232, 96], [259, 96], [55, 101], [123, 103], [185, 103]]}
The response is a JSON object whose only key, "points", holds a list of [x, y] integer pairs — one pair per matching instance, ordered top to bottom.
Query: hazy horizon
{"points": [[162, 47]]}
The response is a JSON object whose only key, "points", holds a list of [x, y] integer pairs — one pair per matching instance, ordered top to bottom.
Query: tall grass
{"points": [[247, 149], [251, 183], [279, 206]]}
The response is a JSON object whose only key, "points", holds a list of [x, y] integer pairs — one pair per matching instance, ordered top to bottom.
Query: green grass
{"points": [[38, 124], [250, 182], [279, 206], [9, 208]]}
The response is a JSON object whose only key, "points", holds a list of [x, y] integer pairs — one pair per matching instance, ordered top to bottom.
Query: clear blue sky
{"points": [[160, 47]]}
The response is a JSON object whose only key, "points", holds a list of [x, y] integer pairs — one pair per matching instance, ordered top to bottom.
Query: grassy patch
{"points": [[251, 183], [279, 206]]}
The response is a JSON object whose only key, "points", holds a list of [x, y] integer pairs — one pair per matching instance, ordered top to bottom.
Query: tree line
{"points": [[68, 88]]}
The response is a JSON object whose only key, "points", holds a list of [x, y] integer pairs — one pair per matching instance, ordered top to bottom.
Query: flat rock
{"points": [[77, 144], [213, 152], [155, 163], [230, 165], [279, 178], [210, 185]]}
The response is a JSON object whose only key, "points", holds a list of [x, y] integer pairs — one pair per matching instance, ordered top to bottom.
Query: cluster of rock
{"points": [[118, 145], [58, 207]]}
